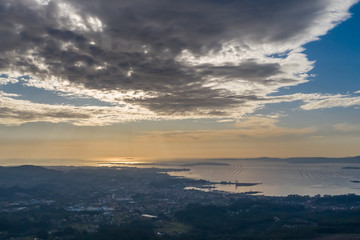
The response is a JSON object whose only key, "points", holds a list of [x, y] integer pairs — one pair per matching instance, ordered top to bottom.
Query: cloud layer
{"points": [[160, 58], [251, 128]]}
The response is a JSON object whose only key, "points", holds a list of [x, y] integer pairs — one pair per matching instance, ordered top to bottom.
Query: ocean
{"points": [[274, 178]]}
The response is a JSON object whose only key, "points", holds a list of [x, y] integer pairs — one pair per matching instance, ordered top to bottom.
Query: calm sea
{"points": [[280, 178]]}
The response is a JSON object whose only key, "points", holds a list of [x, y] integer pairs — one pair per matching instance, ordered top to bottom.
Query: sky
{"points": [[159, 79]]}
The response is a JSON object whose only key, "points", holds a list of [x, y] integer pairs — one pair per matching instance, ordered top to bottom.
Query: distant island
{"points": [[204, 164], [350, 167], [238, 184], [251, 192]]}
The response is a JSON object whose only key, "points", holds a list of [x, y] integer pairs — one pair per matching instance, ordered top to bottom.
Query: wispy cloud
{"points": [[315, 101], [331, 101], [16, 112], [253, 127], [347, 127]]}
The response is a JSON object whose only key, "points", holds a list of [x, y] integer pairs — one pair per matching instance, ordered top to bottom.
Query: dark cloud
{"points": [[138, 42], [248, 70], [6, 112]]}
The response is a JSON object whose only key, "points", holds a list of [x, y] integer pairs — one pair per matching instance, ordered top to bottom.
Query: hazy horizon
{"points": [[138, 162]]}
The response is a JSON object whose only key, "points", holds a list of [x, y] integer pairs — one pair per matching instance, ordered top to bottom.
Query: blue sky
{"points": [[337, 56]]}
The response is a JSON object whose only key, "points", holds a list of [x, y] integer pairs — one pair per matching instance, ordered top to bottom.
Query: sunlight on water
{"points": [[101, 162], [111, 162]]}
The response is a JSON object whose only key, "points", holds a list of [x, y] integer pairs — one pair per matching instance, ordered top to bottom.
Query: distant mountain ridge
{"points": [[355, 159], [27, 169], [21, 174]]}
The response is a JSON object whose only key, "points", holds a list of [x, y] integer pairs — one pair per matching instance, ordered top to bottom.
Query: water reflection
{"points": [[281, 178]]}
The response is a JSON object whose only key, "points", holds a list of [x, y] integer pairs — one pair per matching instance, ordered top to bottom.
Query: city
{"points": [[86, 202]]}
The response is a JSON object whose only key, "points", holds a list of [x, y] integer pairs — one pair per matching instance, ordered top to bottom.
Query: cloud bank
{"points": [[161, 59], [250, 129]]}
